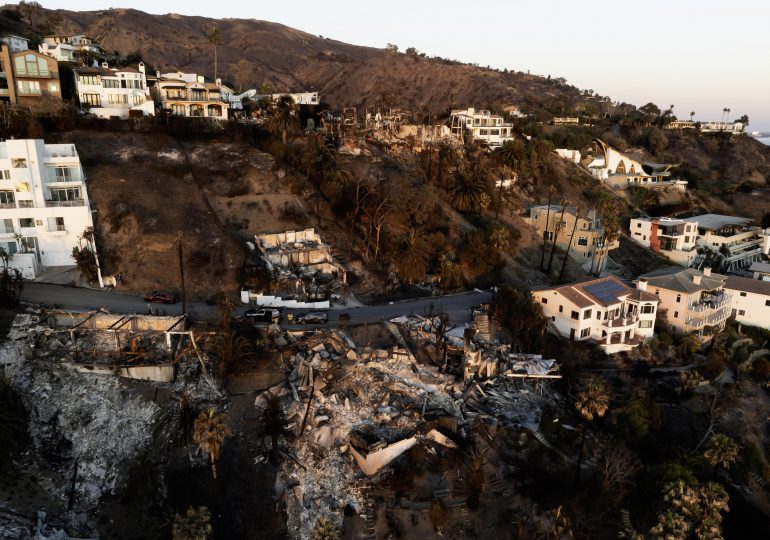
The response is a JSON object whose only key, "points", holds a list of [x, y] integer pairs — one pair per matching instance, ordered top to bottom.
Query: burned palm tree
{"points": [[284, 119], [592, 401], [210, 432]]}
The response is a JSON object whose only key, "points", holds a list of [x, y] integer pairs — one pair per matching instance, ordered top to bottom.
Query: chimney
{"points": [[105, 65], [141, 67], [219, 82], [707, 271], [696, 280], [641, 284]]}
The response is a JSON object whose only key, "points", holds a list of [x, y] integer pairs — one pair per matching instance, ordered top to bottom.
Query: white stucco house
{"points": [[64, 46], [107, 92], [482, 125], [621, 171], [44, 204], [734, 237], [675, 239], [751, 300], [604, 311]]}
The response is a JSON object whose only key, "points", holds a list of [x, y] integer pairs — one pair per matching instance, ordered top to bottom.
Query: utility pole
{"points": [[180, 247]]}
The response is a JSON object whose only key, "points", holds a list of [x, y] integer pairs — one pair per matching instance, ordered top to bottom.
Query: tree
{"points": [[29, 10], [214, 37], [391, 48], [411, 51], [86, 57], [243, 74], [692, 115], [284, 119], [447, 156], [466, 190], [551, 193], [557, 228], [569, 244], [413, 257], [11, 281], [517, 313], [592, 400], [209, 433], [721, 452], [691, 511], [194, 524]]}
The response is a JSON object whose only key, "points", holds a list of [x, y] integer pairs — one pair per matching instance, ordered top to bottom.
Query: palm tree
{"points": [[214, 37], [86, 57], [692, 115], [284, 118], [447, 155], [466, 190], [551, 193], [557, 229], [569, 245], [413, 257], [593, 400], [209, 432], [721, 452], [194, 524]]}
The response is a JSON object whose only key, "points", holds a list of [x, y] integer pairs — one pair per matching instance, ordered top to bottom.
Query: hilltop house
{"points": [[15, 43], [63, 48], [29, 79], [108, 92], [188, 94], [735, 128], [490, 129], [621, 171], [44, 204], [675, 239], [739, 243], [589, 248], [691, 300], [751, 300], [605, 311]]}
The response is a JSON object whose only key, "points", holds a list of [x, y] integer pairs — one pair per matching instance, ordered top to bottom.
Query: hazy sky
{"points": [[701, 55]]}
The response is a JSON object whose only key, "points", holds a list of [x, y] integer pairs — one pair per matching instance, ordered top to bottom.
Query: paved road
{"points": [[457, 306]]}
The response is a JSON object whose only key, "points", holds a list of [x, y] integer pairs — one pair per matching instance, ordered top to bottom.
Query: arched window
{"points": [[621, 167]]}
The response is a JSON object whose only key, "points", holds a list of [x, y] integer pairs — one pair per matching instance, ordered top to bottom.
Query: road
{"points": [[457, 306]]}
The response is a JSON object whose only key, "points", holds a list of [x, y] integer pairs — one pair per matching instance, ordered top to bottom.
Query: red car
{"points": [[162, 297]]}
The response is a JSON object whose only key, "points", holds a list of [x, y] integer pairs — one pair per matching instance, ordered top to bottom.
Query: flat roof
{"points": [[717, 221]]}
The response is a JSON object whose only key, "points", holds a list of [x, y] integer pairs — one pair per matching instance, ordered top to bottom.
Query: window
{"points": [[30, 65], [89, 79], [110, 83], [53, 87], [28, 88], [197, 95], [117, 98], [92, 99], [138, 100], [178, 110], [62, 173], [5, 175], [22, 187], [65, 194], [7, 198], [26, 222], [55, 224], [638, 225], [6, 226], [548, 235], [582, 241], [743, 294], [678, 298], [544, 300], [767, 302], [648, 308], [561, 309], [741, 312], [587, 314], [676, 314], [575, 315], [598, 315], [645, 324], [585, 332]]}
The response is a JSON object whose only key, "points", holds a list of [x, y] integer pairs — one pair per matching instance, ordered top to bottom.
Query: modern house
{"points": [[15, 43], [63, 48], [29, 79], [108, 92], [188, 94], [482, 125], [571, 155], [621, 171], [44, 204], [675, 239], [739, 243], [589, 247], [760, 270], [691, 300], [751, 300], [605, 311]]}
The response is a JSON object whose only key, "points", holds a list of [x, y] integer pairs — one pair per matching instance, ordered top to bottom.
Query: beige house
{"points": [[188, 94], [589, 247], [690, 300], [751, 300], [604, 311]]}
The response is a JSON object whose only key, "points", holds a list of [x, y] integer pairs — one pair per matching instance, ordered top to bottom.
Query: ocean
{"points": [[765, 140]]}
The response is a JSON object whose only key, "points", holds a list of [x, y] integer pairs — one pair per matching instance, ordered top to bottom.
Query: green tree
{"points": [[214, 37], [284, 119], [467, 189], [413, 257], [209, 433], [721, 452], [691, 512], [194, 524]]}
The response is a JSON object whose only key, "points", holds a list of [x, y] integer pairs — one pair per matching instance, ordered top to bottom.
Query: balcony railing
{"points": [[75, 202], [8, 205], [56, 228], [7, 230], [622, 321]]}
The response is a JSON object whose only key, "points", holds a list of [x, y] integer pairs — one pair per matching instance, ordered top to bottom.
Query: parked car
{"points": [[162, 297], [263, 315], [313, 317]]}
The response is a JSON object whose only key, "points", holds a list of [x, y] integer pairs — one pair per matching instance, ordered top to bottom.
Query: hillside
{"points": [[253, 53]]}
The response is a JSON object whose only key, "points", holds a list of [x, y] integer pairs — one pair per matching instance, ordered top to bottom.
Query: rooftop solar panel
{"points": [[606, 291]]}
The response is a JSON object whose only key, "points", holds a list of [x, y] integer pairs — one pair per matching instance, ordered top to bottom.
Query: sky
{"points": [[699, 55]]}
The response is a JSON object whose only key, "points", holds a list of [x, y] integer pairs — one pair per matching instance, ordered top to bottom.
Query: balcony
{"points": [[75, 202], [8, 205], [56, 228], [7, 230], [710, 302], [622, 322]]}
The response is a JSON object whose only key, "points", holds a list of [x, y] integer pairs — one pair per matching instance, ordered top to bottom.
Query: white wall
{"points": [[755, 308]]}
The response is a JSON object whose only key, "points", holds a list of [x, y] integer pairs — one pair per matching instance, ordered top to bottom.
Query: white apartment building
{"points": [[64, 47], [121, 92], [483, 126], [621, 171], [44, 204], [675, 239], [739, 243], [691, 300], [751, 300], [605, 311]]}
